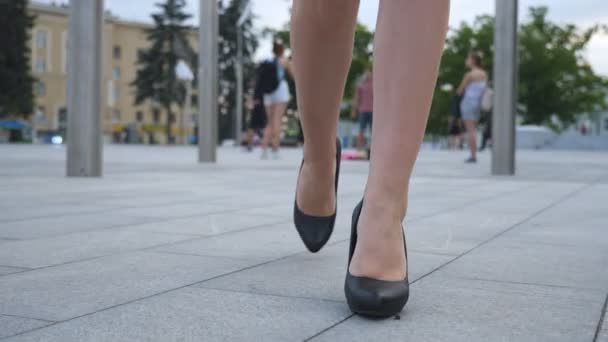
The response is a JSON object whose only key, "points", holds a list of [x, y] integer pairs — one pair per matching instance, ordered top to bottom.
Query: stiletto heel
{"points": [[315, 231], [373, 297]]}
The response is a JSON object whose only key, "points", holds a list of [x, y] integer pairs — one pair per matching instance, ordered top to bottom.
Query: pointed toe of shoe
{"points": [[314, 231], [375, 298]]}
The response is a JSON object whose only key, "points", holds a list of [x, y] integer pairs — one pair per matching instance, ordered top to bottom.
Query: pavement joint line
{"points": [[105, 210], [538, 212], [261, 259], [527, 283], [267, 294], [25, 317], [600, 324], [329, 328]]}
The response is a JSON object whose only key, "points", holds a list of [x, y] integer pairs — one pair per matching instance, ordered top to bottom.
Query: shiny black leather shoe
{"points": [[315, 231], [373, 297]]}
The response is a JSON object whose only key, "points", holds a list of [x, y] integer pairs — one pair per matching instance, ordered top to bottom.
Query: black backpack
{"points": [[267, 78]]}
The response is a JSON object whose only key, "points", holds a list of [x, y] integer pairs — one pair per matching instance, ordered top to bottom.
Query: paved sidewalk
{"points": [[163, 249]]}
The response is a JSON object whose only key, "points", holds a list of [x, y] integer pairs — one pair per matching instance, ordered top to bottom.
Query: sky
{"points": [[275, 14]]}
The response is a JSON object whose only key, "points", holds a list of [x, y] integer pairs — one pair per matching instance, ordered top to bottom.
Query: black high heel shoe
{"points": [[315, 231], [373, 297]]}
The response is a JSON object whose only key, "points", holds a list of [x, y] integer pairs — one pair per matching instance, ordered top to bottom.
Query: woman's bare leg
{"points": [[322, 34], [409, 40], [279, 112], [269, 129], [472, 135]]}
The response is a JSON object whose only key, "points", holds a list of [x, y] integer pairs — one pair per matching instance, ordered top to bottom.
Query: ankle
{"points": [[386, 205]]}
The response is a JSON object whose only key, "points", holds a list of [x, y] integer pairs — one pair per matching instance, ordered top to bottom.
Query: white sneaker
{"points": [[264, 155], [275, 155]]}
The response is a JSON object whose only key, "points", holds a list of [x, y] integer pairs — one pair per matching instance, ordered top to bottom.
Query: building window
{"points": [[41, 39], [64, 39], [117, 52], [40, 64], [116, 73], [40, 88], [116, 93], [116, 115], [139, 116], [156, 116], [62, 118], [172, 118], [606, 124]]}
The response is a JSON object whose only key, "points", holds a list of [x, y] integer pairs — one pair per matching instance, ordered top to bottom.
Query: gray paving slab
{"points": [[58, 225], [208, 225], [438, 235], [264, 243], [61, 249], [538, 263], [8, 270], [310, 276], [539, 278], [67, 291], [453, 310], [194, 314], [10, 325]]}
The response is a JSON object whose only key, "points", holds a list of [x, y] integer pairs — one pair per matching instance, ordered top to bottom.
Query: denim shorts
{"points": [[365, 120]]}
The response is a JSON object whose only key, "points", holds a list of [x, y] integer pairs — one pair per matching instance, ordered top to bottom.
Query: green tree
{"points": [[229, 16], [156, 79], [555, 79], [16, 93]]}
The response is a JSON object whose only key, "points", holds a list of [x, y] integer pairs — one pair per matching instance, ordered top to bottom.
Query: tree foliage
{"points": [[229, 13], [362, 57], [156, 79], [555, 79], [16, 81]]}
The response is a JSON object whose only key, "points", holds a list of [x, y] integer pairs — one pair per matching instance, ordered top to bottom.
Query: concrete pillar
{"points": [[207, 81], [505, 88], [238, 125], [84, 145]]}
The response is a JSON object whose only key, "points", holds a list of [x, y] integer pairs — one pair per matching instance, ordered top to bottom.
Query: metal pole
{"points": [[207, 84], [505, 86], [239, 87], [186, 112], [84, 150]]}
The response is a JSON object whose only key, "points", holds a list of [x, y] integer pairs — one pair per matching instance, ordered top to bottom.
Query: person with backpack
{"points": [[272, 83], [257, 117]]}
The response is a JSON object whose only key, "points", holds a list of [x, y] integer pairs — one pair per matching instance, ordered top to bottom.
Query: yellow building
{"points": [[122, 41]]}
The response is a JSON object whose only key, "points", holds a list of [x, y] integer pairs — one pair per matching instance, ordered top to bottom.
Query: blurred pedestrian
{"points": [[409, 40], [273, 84], [471, 89], [363, 106], [487, 107], [257, 118], [455, 123]]}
